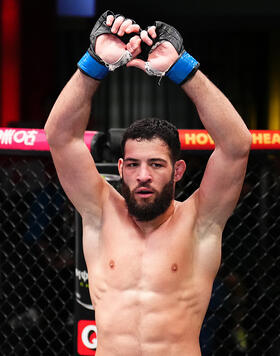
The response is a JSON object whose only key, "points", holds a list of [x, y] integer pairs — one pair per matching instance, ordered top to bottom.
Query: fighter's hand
{"points": [[109, 46], [114, 47], [162, 54], [166, 54]]}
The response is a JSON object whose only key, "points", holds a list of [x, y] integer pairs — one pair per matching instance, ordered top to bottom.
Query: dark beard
{"points": [[149, 211]]}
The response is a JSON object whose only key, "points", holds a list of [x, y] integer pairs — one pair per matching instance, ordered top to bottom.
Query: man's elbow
{"points": [[51, 133], [50, 137], [245, 143], [242, 145], [238, 146]]}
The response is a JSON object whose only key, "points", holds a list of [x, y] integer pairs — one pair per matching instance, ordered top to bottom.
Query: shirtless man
{"points": [[151, 260]]}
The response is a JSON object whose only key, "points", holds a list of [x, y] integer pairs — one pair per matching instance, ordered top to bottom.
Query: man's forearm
{"points": [[70, 113], [217, 114]]}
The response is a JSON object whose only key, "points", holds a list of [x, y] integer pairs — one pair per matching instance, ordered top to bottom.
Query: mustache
{"points": [[140, 185], [144, 185], [149, 211]]}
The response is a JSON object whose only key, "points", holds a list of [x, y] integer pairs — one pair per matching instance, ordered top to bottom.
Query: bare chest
{"points": [[127, 259]]}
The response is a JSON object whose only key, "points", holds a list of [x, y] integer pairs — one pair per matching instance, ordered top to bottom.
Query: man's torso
{"points": [[150, 291]]}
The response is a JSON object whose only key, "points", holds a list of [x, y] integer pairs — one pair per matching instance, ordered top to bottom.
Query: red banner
{"points": [[30, 139], [35, 139], [201, 140]]}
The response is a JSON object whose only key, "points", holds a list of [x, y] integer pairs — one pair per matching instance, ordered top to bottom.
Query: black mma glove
{"points": [[91, 64], [185, 66]]}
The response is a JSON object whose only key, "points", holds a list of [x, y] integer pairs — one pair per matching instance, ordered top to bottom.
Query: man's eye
{"points": [[131, 165], [156, 165]]}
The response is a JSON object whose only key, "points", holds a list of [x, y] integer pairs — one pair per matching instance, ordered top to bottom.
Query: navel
{"points": [[111, 264], [174, 267]]}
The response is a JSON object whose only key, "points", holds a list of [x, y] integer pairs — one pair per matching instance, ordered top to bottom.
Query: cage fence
{"points": [[38, 265]]}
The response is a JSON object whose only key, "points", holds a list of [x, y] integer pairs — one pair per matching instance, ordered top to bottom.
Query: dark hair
{"points": [[150, 128]]}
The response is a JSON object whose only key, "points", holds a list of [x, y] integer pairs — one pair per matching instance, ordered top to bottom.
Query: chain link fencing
{"points": [[38, 265]]}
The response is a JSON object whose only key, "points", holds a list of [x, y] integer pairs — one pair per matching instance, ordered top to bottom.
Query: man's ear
{"points": [[120, 166], [179, 170]]}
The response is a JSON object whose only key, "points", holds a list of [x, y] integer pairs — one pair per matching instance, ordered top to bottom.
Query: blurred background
{"points": [[236, 42]]}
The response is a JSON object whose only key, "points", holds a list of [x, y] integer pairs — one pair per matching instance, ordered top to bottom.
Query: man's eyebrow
{"points": [[130, 159], [149, 160], [157, 160]]}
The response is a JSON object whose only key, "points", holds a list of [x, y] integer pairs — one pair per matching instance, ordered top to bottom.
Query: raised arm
{"points": [[68, 119], [65, 134], [224, 175], [223, 178]]}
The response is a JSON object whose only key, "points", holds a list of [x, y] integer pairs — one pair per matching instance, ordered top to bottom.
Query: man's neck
{"points": [[150, 226]]}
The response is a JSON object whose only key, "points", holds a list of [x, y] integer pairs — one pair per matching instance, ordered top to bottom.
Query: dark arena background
{"points": [[45, 307]]}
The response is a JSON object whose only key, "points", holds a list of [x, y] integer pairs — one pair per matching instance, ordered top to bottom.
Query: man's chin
{"points": [[144, 200], [148, 207]]}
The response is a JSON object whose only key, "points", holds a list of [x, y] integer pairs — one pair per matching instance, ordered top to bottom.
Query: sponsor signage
{"points": [[30, 139], [35, 139], [201, 140], [82, 291], [86, 337]]}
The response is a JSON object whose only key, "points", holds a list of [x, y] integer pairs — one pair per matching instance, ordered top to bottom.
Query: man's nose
{"points": [[144, 174]]}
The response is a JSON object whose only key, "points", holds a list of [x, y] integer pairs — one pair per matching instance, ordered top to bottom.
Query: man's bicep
{"points": [[78, 176], [220, 187]]}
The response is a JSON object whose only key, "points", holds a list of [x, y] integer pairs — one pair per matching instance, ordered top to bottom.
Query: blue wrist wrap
{"points": [[92, 67], [183, 68]]}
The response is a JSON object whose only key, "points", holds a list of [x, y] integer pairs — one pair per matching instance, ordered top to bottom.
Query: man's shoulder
{"points": [[112, 200], [114, 203], [189, 204], [185, 213], [204, 225]]}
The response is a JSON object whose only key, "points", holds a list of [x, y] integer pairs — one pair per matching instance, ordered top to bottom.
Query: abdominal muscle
{"points": [[149, 293], [137, 322]]}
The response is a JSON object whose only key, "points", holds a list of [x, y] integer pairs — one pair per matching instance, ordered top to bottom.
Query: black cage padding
{"points": [[38, 270]]}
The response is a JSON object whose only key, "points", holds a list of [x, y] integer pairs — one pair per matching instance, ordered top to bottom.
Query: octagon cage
{"points": [[45, 305]]}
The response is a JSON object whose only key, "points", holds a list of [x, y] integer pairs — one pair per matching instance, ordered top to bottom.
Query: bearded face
{"points": [[156, 203]]}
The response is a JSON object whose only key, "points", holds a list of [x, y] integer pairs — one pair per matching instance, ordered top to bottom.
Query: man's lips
{"points": [[144, 192]]}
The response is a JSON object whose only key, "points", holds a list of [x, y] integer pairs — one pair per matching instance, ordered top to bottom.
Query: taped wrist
{"points": [[124, 59], [91, 67], [183, 69], [153, 72]]}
